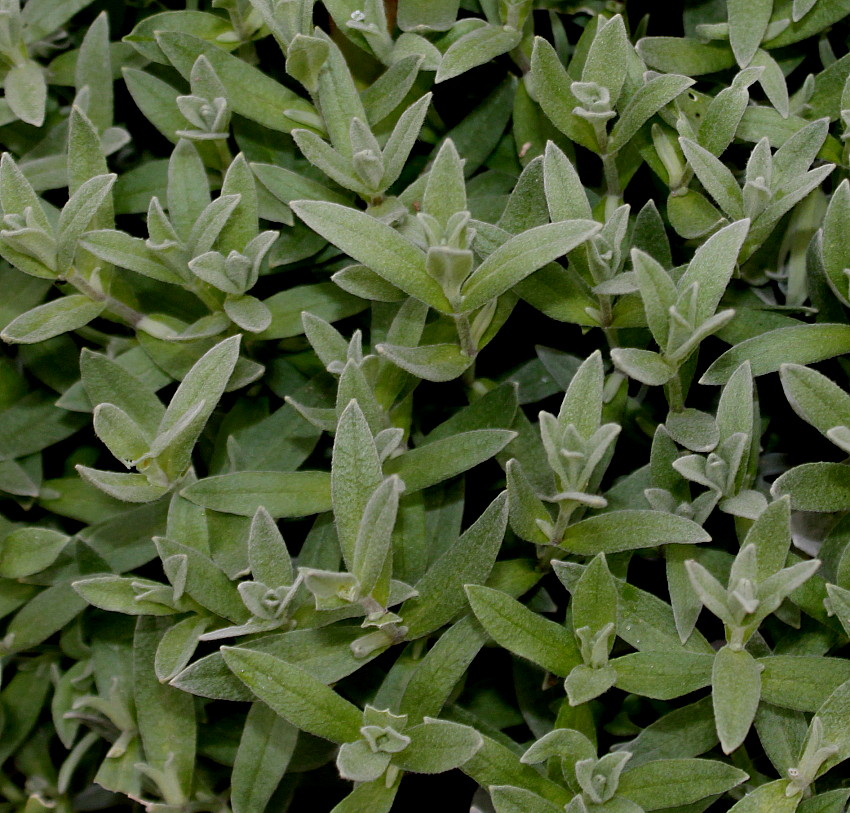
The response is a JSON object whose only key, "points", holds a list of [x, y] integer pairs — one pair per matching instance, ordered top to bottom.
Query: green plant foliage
{"points": [[453, 388]]}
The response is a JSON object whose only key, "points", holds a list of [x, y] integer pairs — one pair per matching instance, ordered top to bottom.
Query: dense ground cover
{"points": [[432, 399]]}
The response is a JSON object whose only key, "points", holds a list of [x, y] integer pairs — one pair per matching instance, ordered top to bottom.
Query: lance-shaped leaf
{"points": [[748, 20], [475, 48], [26, 91], [644, 104], [716, 177], [375, 245], [522, 255], [52, 319], [767, 352], [643, 365], [815, 398], [430, 464], [355, 474], [823, 487], [282, 494], [629, 530], [374, 536], [26, 551], [267, 553], [469, 560], [524, 632], [663, 675], [295, 694], [735, 694], [437, 746], [673, 782], [507, 799]]}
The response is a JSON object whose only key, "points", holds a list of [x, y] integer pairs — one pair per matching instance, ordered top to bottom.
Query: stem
{"points": [[612, 177], [133, 317], [464, 333], [675, 397]]}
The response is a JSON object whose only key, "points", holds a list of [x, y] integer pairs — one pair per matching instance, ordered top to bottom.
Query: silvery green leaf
{"points": [[428, 15], [747, 27], [475, 48], [305, 57], [608, 57], [772, 80], [389, 90], [26, 92], [250, 92], [646, 102], [725, 111], [402, 140], [326, 158], [716, 177], [287, 185], [445, 190], [78, 212], [209, 223], [376, 246], [835, 246], [133, 253], [522, 255], [712, 266], [363, 282], [658, 292], [248, 312], [52, 319], [767, 352], [433, 362], [643, 365], [107, 381], [815, 398], [582, 403], [693, 429], [120, 433], [448, 457], [355, 474], [125, 487], [821, 487], [282, 494], [528, 514], [628, 530], [374, 536], [29, 550], [267, 553], [469, 560], [132, 596], [839, 602], [594, 603], [522, 631], [177, 645], [663, 675], [802, 682], [585, 683], [735, 692], [295, 694], [165, 716], [831, 718], [437, 746], [265, 749], [360, 763], [672, 782], [373, 796], [767, 798], [507, 799]]}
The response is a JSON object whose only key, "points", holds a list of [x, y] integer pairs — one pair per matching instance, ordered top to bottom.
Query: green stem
{"points": [[464, 334], [675, 396]]}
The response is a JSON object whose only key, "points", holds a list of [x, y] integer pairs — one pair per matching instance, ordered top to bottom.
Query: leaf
{"points": [[747, 26], [475, 48], [685, 55], [249, 91], [26, 92], [644, 104], [716, 177], [375, 245], [835, 245], [120, 249], [522, 255], [52, 319], [800, 344], [433, 362], [643, 365], [815, 398], [448, 457], [125, 487], [821, 487], [282, 494], [629, 530], [374, 536], [26, 551], [267, 553], [469, 560], [522, 631], [663, 675], [801, 682], [735, 693], [295, 694], [437, 746], [265, 749], [671, 782], [768, 798], [507, 799]]}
